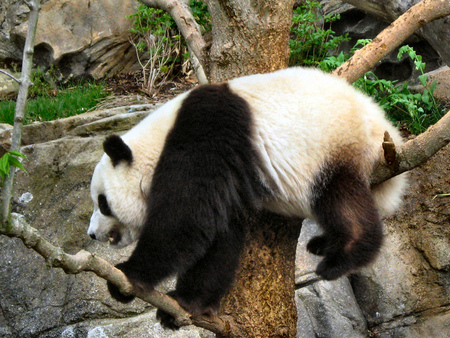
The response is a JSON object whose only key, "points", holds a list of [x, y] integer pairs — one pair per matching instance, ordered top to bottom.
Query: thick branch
{"points": [[181, 13], [417, 16], [415, 152], [86, 261]]}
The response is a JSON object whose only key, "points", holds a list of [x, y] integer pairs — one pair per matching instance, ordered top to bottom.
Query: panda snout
{"points": [[92, 236]]}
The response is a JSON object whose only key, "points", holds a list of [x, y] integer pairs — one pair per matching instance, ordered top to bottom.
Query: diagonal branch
{"points": [[182, 15], [367, 57], [10, 75], [86, 261]]}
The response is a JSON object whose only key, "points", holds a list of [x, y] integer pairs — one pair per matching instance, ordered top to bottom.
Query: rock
{"points": [[78, 37], [442, 78], [410, 278], [324, 309]]}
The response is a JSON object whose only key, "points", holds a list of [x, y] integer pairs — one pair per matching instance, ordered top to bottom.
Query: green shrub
{"points": [[310, 42], [312, 45], [160, 47], [417, 111]]}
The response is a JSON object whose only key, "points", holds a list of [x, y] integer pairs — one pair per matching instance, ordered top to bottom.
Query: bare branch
{"points": [[181, 13], [417, 16], [10, 75], [19, 113], [415, 152], [86, 261]]}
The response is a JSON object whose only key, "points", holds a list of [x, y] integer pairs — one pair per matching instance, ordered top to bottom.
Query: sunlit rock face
{"points": [[78, 37]]}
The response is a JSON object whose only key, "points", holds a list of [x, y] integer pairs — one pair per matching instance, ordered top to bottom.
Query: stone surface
{"points": [[81, 37], [410, 278], [324, 309]]}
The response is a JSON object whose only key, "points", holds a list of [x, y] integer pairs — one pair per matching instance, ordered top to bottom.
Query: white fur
{"points": [[304, 119]]}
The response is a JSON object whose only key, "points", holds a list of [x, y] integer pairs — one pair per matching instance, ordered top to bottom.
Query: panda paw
{"points": [[318, 245], [333, 267], [114, 290], [168, 321]]}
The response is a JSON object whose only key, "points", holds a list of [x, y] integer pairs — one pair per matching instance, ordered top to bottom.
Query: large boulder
{"points": [[79, 37]]}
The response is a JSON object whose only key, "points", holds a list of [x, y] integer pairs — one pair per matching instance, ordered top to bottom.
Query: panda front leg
{"points": [[345, 209], [161, 253], [200, 288]]}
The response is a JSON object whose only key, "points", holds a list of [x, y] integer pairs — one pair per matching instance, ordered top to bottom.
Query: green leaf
{"points": [[17, 154], [16, 163], [4, 164]]}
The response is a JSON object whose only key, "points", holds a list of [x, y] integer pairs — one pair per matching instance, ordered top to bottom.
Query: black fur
{"points": [[117, 150], [204, 180], [346, 211]]}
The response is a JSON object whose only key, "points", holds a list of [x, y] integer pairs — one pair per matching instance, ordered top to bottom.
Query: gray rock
{"points": [[324, 309]]}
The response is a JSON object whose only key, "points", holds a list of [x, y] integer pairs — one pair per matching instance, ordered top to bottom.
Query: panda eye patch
{"points": [[103, 205]]}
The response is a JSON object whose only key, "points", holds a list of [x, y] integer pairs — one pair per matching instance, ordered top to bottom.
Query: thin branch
{"points": [[182, 15], [367, 57], [10, 75], [19, 113]]}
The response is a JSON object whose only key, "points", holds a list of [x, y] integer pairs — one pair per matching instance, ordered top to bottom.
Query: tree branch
{"points": [[181, 13], [367, 57], [27, 63], [10, 75], [415, 152], [86, 261]]}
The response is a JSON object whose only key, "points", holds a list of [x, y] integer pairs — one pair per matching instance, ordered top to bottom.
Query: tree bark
{"points": [[248, 37], [262, 301]]}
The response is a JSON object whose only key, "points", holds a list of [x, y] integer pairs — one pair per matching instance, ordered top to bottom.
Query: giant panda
{"points": [[297, 142]]}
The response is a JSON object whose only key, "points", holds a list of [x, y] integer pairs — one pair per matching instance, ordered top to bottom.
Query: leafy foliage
{"points": [[310, 42], [312, 45], [159, 46], [416, 110], [10, 159]]}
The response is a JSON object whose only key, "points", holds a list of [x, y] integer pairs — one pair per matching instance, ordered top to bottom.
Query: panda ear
{"points": [[117, 150]]}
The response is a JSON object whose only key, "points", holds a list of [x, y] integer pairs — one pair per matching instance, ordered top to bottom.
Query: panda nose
{"points": [[92, 236]]}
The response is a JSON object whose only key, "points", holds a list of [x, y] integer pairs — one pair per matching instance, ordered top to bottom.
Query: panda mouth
{"points": [[114, 237]]}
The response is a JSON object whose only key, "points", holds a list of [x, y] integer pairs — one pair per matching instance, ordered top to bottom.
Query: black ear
{"points": [[117, 150]]}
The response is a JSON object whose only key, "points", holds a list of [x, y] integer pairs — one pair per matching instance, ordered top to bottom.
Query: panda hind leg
{"points": [[345, 209], [200, 288]]}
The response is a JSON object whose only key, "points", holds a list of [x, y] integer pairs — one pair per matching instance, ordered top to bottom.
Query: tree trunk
{"points": [[248, 37], [262, 301]]}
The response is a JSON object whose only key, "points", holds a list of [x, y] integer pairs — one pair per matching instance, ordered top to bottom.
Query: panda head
{"points": [[117, 191]]}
